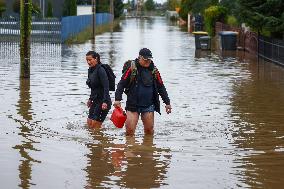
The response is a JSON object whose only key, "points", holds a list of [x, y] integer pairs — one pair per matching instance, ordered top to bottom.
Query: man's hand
{"points": [[89, 103], [117, 104], [104, 106], [168, 109]]}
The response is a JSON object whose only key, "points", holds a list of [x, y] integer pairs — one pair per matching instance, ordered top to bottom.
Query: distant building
{"points": [[57, 6]]}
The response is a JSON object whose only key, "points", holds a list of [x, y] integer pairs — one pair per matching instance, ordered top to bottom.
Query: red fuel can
{"points": [[118, 117]]}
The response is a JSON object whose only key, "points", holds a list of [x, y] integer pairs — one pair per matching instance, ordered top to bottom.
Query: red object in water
{"points": [[118, 117]]}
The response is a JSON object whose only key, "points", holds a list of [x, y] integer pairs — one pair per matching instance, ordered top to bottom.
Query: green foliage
{"points": [[84, 2], [173, 4], [149, 5], [230, 5], [17, 6], [102, 6], [201, 6], [2, 7], [195, 7], [34, 8], [70, 8], [73, 8], [118, 8], [185, 8], [49, 13], [212, 15], [263, 15], [232, 21], [87, 34]]}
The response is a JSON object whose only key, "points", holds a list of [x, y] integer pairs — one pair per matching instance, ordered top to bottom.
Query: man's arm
{"points": [[123, 83], [161, 88]]}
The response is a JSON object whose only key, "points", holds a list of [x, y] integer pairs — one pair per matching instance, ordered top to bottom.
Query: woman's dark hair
{"points": [[94, 55]]}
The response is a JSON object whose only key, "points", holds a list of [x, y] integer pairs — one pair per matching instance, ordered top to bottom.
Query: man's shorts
{"points": [[145, 109], [96, 113]]}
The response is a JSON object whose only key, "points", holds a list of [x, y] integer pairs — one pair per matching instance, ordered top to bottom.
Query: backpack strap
{"points": [[134, 71]]}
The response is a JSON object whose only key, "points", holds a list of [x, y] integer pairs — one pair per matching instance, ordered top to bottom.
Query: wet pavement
{"points": [[226, 129]]}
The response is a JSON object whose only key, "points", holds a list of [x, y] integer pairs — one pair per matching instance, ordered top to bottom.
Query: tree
{"points": [[173, 4], [150, 5], [16, 6], [102, 6], [231, 6], [2, 7], [195, 7], [34, 8], [70, 8], [118, 8], [49, 13], [212, 15], [263, 15]]}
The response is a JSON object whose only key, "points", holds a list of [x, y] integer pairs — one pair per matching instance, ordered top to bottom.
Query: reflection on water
{"points": [[258, 107], [226, 129], [26, 146], [145, 161], [133, 164]]}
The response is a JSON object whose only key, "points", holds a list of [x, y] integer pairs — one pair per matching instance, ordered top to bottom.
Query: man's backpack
{"points": [[132, 65], [110, 75]]}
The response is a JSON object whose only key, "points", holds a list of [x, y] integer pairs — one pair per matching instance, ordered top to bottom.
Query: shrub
{"points": [[2, 7], [212, 15], [232, 21]]}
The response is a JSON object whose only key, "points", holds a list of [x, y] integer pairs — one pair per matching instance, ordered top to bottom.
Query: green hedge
{"points": [[212, 15]]}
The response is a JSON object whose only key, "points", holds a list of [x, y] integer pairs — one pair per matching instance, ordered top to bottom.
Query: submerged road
{"points": [[225, 131]]}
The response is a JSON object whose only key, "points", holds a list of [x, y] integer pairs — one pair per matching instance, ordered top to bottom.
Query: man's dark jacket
{"points": [[131, 103]]}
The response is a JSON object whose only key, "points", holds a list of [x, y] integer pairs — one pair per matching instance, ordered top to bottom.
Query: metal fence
{"points": [[73, 25], [43, 30], [50, 30], [271, 49]]}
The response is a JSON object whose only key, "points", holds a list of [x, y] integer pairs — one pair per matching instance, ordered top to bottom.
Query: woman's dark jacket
{"points": [[98, 82], [158, 88]]}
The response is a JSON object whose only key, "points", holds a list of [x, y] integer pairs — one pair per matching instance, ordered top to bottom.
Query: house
{"points": [[57, 6]]}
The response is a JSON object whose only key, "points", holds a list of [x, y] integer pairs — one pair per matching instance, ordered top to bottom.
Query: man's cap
{"points": [[145, 53]]}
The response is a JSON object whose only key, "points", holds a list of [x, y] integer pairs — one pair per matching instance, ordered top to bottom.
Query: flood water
{"points": [[226, 129]]}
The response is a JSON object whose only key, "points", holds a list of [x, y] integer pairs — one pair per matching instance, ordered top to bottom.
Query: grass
{"points": [[86, 35]]}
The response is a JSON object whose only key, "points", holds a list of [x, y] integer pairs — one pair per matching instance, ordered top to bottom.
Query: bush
{"points": [[2, 7], [35, 8], [49, 13], [212, 15], [232, 21]]}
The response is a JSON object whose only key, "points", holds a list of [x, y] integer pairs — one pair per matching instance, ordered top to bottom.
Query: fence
{"points": [[73, 25], [43, 30], [50, 30], [246, 40], [271, 49]]}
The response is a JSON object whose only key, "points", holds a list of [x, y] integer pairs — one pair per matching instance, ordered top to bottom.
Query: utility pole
{"points": [[111, 10], [26, 17], [94, 18]]}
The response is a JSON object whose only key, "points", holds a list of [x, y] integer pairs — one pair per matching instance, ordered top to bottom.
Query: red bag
{"points": [[118, 117]]}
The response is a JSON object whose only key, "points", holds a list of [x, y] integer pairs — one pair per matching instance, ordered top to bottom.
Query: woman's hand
{"points": [[104, 106]]}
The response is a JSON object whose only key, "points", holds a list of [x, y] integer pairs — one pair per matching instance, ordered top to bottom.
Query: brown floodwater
{"points": [[226, 129]]}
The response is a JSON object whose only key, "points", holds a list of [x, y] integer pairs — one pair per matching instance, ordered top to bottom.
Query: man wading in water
{"points": [[142, 84]]}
